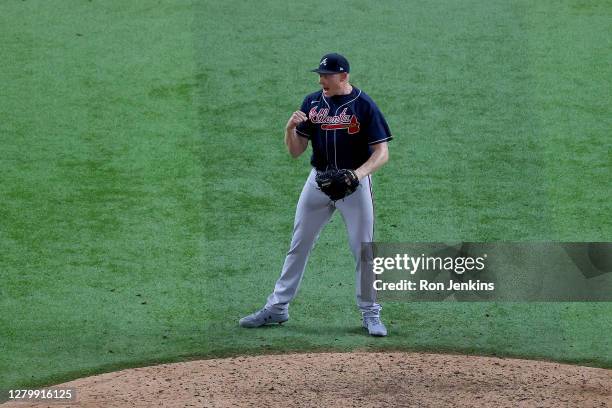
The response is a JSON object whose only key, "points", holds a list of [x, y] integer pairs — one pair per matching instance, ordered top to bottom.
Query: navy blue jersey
{"points": [[342, 129]]}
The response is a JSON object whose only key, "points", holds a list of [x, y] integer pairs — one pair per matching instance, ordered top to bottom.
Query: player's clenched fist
{"points": [[296, 118]]}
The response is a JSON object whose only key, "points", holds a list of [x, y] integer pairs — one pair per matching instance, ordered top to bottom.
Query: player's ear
{"points": [[343, 76]]}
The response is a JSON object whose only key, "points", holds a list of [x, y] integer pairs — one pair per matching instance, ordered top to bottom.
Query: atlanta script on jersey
{"points": [[341, 121], [342, 128]]}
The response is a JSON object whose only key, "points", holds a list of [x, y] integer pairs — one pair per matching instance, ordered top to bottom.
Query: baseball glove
{"points": [[337, 184]]}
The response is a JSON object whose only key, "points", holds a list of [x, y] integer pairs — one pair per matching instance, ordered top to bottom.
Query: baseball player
{"points": [[349, 136]]}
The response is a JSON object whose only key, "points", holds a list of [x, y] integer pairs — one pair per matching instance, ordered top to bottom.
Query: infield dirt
{"points": [[346, 379]]}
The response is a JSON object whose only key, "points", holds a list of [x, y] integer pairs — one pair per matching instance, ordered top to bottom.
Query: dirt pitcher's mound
{"points": [[347, 380]]}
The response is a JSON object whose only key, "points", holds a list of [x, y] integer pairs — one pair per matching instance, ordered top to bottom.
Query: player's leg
{"points": [[313, 211], [358, 213]]}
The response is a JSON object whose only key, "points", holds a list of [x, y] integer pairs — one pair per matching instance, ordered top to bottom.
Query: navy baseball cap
{"points": [[333, 64]]}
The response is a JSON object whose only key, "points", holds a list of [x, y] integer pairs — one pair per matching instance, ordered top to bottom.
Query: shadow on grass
{"points": [[326, 330]]}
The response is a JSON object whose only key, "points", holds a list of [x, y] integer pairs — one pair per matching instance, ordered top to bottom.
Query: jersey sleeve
{"points": [[377, 128], [305, 129]]}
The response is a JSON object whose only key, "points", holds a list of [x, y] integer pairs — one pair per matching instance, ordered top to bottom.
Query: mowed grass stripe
{"points": [[101, 217]]}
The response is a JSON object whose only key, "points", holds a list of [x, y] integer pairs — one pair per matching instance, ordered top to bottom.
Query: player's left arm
{"points": [[380, 155]]}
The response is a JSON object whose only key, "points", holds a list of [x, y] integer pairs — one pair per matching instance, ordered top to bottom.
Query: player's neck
{"points": [[348, 89], [345, 90]]}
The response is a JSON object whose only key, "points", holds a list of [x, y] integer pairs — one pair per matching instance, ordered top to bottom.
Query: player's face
{"points": [[332, 84]]}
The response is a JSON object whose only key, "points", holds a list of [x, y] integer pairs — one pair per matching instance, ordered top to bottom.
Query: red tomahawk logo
{"points": [[352, 126]]}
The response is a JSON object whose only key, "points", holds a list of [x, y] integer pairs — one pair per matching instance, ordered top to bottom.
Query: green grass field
{"points": [[147, 198]]}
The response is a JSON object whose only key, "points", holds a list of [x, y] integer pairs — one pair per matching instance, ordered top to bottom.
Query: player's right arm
{"points": [[296, 144]]}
